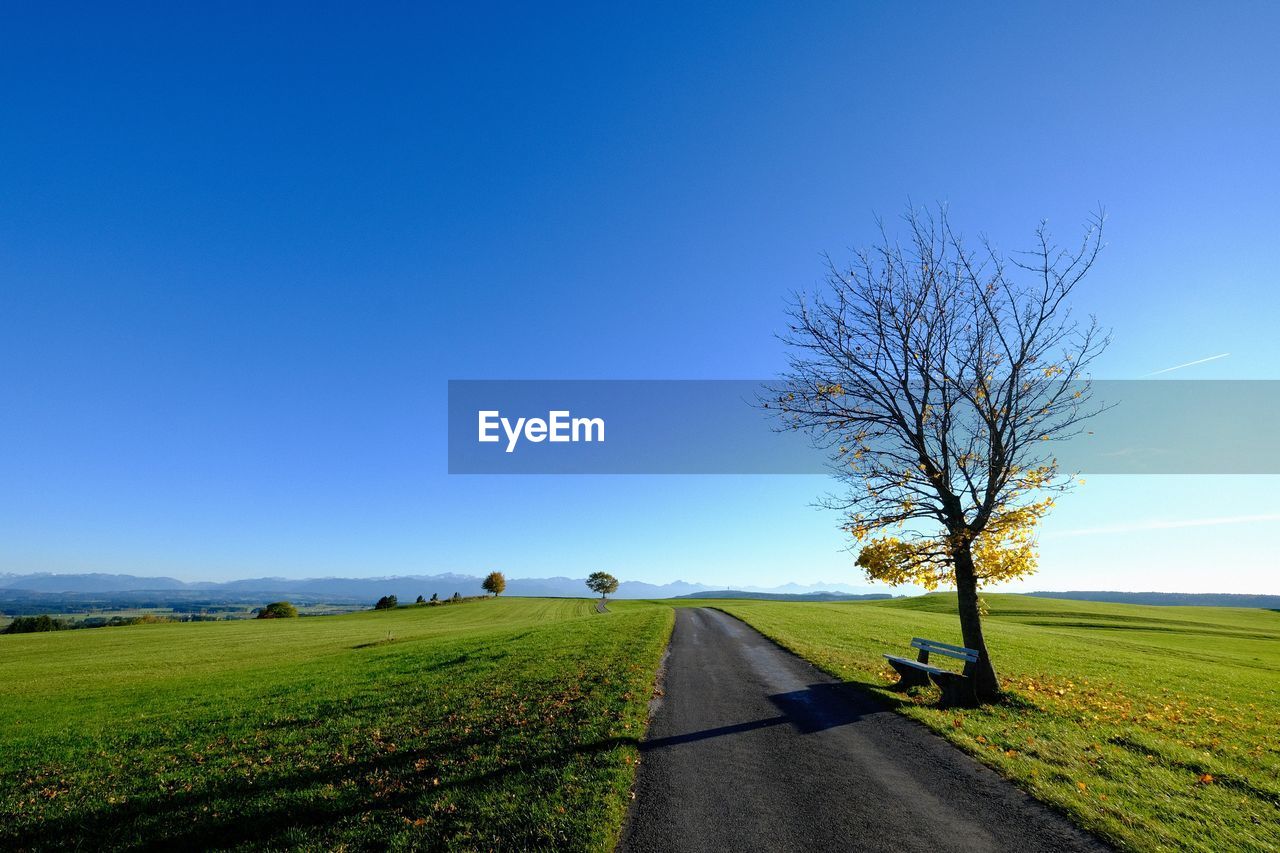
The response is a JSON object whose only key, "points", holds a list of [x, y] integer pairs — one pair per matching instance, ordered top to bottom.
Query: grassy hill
{"points": [[1199, 599], [511, 719], [1157, 727]]}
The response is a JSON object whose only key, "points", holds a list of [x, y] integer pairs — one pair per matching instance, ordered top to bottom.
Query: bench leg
{"points": [[910, 676], [957, 690]]}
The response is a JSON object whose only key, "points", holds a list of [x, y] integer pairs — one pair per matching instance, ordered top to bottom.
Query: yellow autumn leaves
{"points": [[1005, 550]]}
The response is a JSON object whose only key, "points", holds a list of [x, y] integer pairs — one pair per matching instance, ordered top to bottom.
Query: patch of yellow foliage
{"points": [[1005, 550]]}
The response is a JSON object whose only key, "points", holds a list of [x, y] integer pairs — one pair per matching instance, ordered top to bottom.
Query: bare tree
{"points": [[937, 377]]}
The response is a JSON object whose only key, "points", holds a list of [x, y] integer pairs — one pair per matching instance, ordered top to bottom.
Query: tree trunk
{"points": [[983, 672]]}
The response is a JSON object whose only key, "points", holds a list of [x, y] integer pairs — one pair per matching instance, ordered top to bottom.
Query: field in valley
{"points": [[505, 719], [1156, 727]]}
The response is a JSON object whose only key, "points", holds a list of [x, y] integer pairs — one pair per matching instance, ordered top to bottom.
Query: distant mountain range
{"points": [[122, 590], [351, 590], [789, 596]]}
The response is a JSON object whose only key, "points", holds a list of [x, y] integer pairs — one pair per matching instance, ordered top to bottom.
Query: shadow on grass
{"points": [[1191, 630], [383, 642], [1134, 743], [367, 800], [263, 814]]}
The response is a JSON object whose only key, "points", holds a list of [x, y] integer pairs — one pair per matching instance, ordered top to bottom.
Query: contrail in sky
{"points": [[1189, 363], [1159, 524]]}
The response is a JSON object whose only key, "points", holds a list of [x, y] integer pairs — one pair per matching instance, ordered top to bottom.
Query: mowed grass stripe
{"points": [[505, 723], [1158, 728]]}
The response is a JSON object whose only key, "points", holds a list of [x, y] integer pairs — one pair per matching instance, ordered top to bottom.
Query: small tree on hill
{"points": [[938, 377], [602, 582], [495, 583], [457, 596], [435, 598], [421, 600], [387, 602], [278, 610]]}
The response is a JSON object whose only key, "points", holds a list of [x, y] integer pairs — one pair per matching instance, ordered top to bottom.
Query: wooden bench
{"points": [[956, 687]]}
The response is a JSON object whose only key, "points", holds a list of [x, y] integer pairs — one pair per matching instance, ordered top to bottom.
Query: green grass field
{"points": [[511, 721], [514, 722], [1156, 727]]}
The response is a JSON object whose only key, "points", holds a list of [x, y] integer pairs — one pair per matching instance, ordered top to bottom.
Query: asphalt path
{"points": [[752, 748]]}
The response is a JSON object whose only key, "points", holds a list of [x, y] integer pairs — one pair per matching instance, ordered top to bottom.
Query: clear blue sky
{"points": [[242, 250]]}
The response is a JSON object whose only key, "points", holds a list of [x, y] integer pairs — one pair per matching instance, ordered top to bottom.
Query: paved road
{"points": [[754, 749]]}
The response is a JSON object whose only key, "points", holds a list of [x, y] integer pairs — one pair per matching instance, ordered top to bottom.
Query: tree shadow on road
{"points": [[816, 708]]}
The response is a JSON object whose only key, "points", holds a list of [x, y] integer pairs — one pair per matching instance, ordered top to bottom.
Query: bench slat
{"points": [[944, 645], [957, 652], [915, 664]]}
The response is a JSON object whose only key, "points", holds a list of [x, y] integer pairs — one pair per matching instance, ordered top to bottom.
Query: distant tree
{"points": [[938, 378], [602, 582], [495, 583], [456, 597], [435, 598], [421, 600], [387, 602], [278, 610], [158, 618], [35, 625]]}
